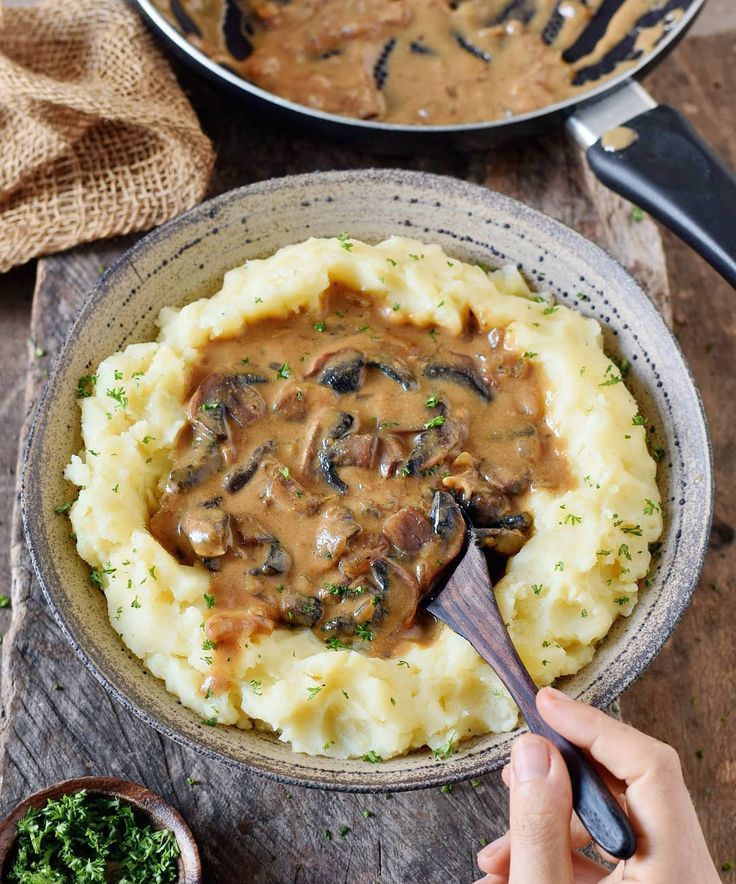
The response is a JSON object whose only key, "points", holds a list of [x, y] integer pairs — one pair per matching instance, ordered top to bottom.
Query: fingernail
{"points": [[557, 695], [530, 759], [492, 847]]}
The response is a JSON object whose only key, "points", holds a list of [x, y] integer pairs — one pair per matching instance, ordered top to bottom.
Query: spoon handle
{"points": [[467, 604]]}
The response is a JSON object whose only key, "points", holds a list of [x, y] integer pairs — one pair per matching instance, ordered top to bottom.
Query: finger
{"points": [[657, 801], [540, 809], [494, 859], [586, 871]]}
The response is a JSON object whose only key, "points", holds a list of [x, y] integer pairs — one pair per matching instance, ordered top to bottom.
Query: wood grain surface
{"points": [[57, 722]]}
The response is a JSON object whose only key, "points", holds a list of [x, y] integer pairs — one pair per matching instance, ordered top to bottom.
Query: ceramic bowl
{"points": [[186, 259], [150, 806]]}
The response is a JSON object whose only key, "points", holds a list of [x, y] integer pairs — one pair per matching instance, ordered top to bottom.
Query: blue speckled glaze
{"points": [[186, 259]]}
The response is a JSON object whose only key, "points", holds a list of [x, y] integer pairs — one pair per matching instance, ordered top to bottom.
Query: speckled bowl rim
{"points": [[383, 778]]}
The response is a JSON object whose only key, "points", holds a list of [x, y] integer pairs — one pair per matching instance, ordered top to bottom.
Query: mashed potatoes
{"points": [[560, 595]]}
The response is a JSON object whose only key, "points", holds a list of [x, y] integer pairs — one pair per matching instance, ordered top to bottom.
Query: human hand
{"points": [[643, 773]]}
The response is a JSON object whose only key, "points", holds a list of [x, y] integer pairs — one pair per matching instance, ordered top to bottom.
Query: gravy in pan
{"points": [[421, 61], [322, 467]]}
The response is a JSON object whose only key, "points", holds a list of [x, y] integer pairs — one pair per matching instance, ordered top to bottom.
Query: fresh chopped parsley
{"points": [[637, 214], [344, 244], [391, 262], [396, 306], [549, 310], [320, 326], [433, 333], [529, 354], [284, 371], [609, 379], [86, 386], [118, 394], [432, 402], [638, 420], [435, 423], [146, 439], [284, 472], [651, 507], [62, 508], [570, 519], [632, 529], [560, 566], [96, 577], [537, 588], [209, 600], [622, 600], [4, 601], [135, 603], [584, 613], [364, 633], [334, 644], [208, 645], [403, 663], [256, 685], [314, 691], [209, 722], [446, 749], [372, 757], [446, 789], [368, 814], [344, 830], [79, 837]]}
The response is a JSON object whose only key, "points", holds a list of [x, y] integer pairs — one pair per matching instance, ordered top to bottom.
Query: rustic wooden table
{"points": [[57, 722]]}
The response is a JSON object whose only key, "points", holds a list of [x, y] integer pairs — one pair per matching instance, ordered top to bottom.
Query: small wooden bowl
{"points": [[153, 807]]}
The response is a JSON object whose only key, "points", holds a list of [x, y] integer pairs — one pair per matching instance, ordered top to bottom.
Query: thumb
{"points": [[541, 807]]}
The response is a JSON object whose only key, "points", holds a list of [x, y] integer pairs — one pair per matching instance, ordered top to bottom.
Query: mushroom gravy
{"points": [[432, 62], [321, 471]]}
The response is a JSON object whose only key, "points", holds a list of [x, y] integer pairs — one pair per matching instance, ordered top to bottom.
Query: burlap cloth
{"points": [[96, 137]]}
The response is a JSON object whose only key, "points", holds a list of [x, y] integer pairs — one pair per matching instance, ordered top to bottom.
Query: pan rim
{"points": [[566, 107]]}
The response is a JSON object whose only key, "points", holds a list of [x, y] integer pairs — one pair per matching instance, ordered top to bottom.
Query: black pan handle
{"points": [[672, 173]]}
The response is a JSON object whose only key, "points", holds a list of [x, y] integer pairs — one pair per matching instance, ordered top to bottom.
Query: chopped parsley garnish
{"points": [[637, 214], [344, 244], [417, 257], [391, 262], [258, 300], [396, 306], [549, 310], [320, 326], [529, 354], [284, 371], [609, 379], [86, 386], [118, 394], [432, 402], [210, 406], [436, 422], [146, 439], [284, 472], [651, 507], [62, 508], [570, 519], [632, 529], [560, 566], [96, 577], [537, 588], [209, 600], [622, 600], [4, 601], [135, 603], [584, 613], [364, 633], [334, 644], [208, 645], [403, 663], [256, 685], [314, 691], [209, 722], [446, 749], [372, 757], [446, 789], [368, 814], [344, 831], [80, 837]]}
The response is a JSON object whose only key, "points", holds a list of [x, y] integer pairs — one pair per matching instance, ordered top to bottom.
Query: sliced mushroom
{"points": [[394, 369], [460, 369], [343, 371], [222, 398], [290, 403], [436, 445], [356, 450], [392, 453], [205, 458], [326, 458], [238, 477], [282, 489], [336, 526], [408, 529], [207, 530], [505, 541], [362, 551], [278, 560], [299, 610]]}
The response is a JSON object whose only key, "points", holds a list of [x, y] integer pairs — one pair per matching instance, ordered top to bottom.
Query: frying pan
{"points": [[668, 170]]}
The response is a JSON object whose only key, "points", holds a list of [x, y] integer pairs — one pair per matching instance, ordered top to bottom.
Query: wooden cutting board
{"points": [[60, 723]]}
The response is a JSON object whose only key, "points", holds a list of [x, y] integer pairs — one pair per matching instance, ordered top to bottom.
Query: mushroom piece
{"points": [[394, 369], [460, 369], [343, 371], [222, 398], [290, 403], [437, 444], [356, 450], [392, 454], [205, 458], [326, 458], [238, 477], [282, 489], [336, 526], [408, 529], [207, 530], [505, 541], [362, 551], [278, 560], [300, 610]]}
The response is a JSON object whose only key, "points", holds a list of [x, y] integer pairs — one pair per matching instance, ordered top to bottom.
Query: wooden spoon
{"points": [[466, 603]]}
